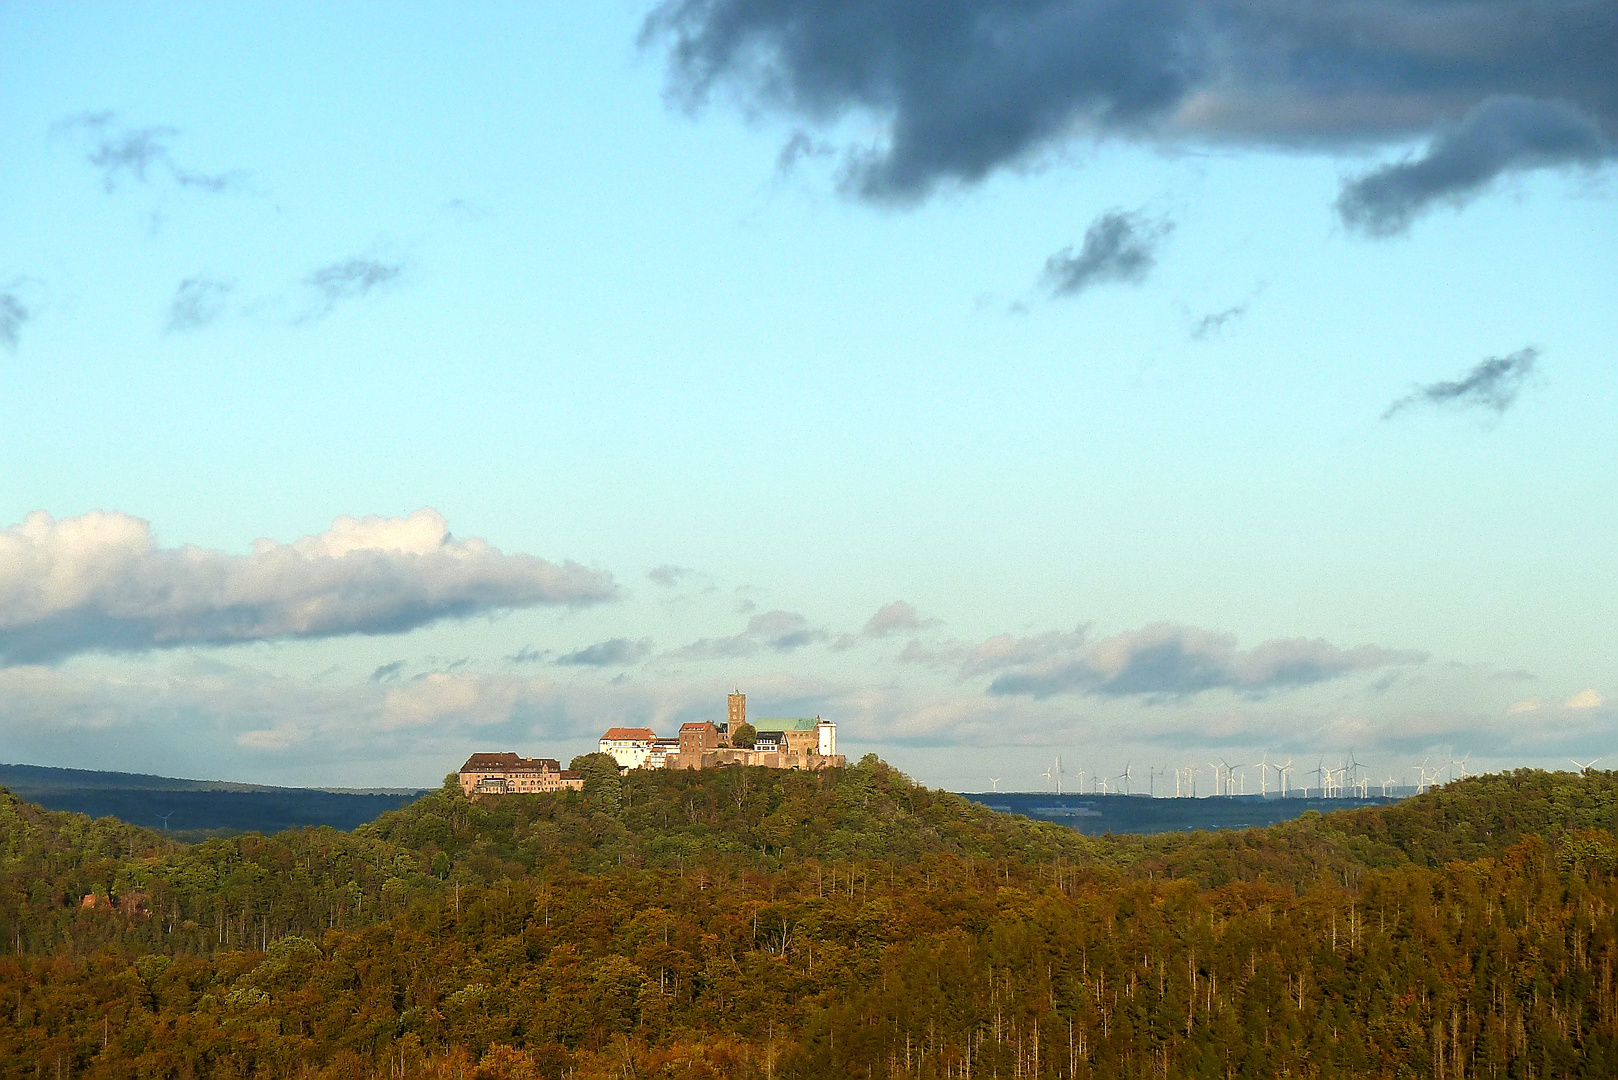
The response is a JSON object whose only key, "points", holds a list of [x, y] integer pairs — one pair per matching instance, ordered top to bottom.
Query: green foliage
{"points": [[743, 736], [747, 922]]}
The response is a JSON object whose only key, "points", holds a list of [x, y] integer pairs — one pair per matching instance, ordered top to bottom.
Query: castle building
{"points": [[798, 743], [630, 747], [508, 774]]}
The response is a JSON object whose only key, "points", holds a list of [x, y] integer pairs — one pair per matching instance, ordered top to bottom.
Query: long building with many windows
{"points": [[508, 774]]}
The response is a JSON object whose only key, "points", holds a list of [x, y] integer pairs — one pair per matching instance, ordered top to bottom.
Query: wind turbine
{"points": [[1461, 764], [1354, 765], [1263, 767], [1585, 767], [1282, 772], [1058, 774], [1047, 775], [1322, 775], [1126, 776], [1219, 778], [1191, 779], [994, 783], [1387, 786], [165, 818]]}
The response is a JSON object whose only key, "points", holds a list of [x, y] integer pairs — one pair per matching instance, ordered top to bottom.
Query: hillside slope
{"points": [[742, 922]]}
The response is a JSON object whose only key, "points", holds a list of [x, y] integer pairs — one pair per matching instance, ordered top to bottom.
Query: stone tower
{"points": [[738, 710]]}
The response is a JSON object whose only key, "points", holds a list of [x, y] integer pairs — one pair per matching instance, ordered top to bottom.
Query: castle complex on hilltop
{"points": [[774, 744]]}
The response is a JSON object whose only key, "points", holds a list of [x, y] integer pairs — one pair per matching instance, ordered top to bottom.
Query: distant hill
{"points": [[192, 809], [1096, 815]]}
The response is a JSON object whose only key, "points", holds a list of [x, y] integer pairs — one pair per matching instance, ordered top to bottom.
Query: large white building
{"points": [[630, 747]]}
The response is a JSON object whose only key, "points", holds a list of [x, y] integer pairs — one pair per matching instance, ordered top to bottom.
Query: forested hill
{"points": [[196, 809], [746, 922]]}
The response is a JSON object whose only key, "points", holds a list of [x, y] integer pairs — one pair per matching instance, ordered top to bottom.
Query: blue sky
{"points": [[495, 262]]}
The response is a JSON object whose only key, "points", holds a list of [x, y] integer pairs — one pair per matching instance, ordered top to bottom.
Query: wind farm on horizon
{"points": [[1350, 779]]}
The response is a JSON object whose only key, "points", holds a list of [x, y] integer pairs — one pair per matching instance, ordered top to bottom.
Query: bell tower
{"points": [[738, 709]]}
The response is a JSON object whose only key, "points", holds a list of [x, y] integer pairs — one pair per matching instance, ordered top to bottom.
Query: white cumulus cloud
{"points": [[100, 583]]}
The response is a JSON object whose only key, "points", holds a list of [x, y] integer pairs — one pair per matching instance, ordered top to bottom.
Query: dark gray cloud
{"points": [[962, 88], [1498, 135], [797, 148], [137, 154], [1117, 247], [347, 280], [197, 302], [13, 314], [1215, 322], [1493, 385], [668, 575], [99, 583], [773, 631], [614, 652], [528, 655], [1165, 661], [388, 672]]}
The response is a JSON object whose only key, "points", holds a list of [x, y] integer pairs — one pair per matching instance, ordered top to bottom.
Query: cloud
{"points": [[959, 90], [1498, 135], [797, 148], [137, 154], [1117, 247], [348, 279], [197, 302], [13, 314], [1212, 324], [1494, 385], [669, 575], [99, 583], [895, 618], [775, 631], [615, 652], [528, 655], [1165, 660], [387, 672], [1585, 699], [267, 739]]}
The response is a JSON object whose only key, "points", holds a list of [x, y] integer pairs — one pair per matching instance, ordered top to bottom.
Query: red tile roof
{"points": [[630, 733]]}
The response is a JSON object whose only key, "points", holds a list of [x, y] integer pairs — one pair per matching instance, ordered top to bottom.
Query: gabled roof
{"points": [[801, 723], [697, 725], [627, 733], [490, 762], [509, 762]]}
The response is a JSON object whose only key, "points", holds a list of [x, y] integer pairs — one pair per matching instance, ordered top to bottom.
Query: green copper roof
{"points": [[798, 724]]}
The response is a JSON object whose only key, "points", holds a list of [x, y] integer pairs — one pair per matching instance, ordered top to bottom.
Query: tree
{"points": [[743, 736]]}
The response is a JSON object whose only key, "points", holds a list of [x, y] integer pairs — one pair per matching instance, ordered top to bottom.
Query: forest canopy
{"points": [[749, 922]]}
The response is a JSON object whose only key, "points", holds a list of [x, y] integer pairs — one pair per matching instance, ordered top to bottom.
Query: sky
{"points": [[1140, 384]]}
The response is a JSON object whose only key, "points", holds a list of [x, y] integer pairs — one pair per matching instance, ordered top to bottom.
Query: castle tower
{"points": [[738, 709]]}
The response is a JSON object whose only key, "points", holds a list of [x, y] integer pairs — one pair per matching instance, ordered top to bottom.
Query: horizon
{"points": [[381, 389]]}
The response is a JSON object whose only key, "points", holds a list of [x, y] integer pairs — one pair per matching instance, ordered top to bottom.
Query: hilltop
{"points": [[753, 922]]}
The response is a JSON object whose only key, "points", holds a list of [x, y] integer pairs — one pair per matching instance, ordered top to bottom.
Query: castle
{"points": [[800, 743], [774, 744]]}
